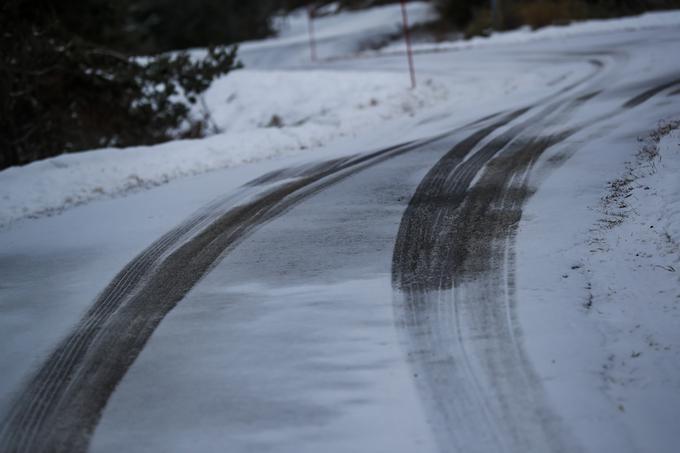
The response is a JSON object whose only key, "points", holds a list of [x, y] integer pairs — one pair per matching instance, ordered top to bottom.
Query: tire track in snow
{"points": [[651, 92], [436, 228], [424, 269], [453, 272], [482, 280]]}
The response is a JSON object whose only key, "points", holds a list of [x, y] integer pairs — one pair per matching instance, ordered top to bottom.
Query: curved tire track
{"points": [[651, 92], [442, 230], [453, 274], [480, 399], [61, 405]]}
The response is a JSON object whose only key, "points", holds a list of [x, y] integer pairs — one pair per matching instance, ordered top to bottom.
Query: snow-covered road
{"points": [[448, 280]]}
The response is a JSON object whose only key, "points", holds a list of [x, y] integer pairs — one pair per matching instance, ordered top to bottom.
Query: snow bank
{"points": [[293, 29], [525, 34], [324, 102], [260, 114], [632, 265], [597, 275]]}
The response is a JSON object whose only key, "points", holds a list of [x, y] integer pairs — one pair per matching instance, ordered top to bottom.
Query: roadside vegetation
{"points": [[71, 78]]}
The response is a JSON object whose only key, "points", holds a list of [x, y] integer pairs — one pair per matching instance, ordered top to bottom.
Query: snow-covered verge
{"points": [[526, 34], [261, 115], [650, 192], [599, 272], [632, 276]]}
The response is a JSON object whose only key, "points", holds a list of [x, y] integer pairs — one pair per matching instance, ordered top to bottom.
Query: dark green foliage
{"points": [[180, 24], [61, 91]]}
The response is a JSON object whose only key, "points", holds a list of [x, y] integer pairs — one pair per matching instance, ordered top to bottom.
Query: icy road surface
{"points": [[434, 285]]}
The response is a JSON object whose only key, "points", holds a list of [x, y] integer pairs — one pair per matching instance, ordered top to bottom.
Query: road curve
{"points": [[452, 275]]}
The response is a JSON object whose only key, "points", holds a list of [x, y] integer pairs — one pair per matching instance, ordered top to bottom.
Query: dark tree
{"points": [[62, 90]]}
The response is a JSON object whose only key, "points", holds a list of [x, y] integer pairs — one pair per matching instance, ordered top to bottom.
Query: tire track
{"points": [[648, 94], [443, 189], [429, 248], [481, 259], [424, 263], [71, 352], [61, 405]]}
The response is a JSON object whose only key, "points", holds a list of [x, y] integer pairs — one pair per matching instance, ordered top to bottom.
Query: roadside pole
{"points": [[407, 38], [312, 40]]}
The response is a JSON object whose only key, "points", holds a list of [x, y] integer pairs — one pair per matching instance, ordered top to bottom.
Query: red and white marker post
{"points": [[407, 38]]}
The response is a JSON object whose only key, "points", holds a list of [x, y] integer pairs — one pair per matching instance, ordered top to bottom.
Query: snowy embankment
{"points": [[525, 34], [256, 114], [260, 115], [631, 270], [599, 278]]}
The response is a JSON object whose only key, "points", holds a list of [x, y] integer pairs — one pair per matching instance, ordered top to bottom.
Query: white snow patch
{"points": [[331, 101], [633, 277], [598, 279]]}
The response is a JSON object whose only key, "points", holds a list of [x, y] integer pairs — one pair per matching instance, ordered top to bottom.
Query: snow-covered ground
{"points": [[258, 115], [599, 279]]}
